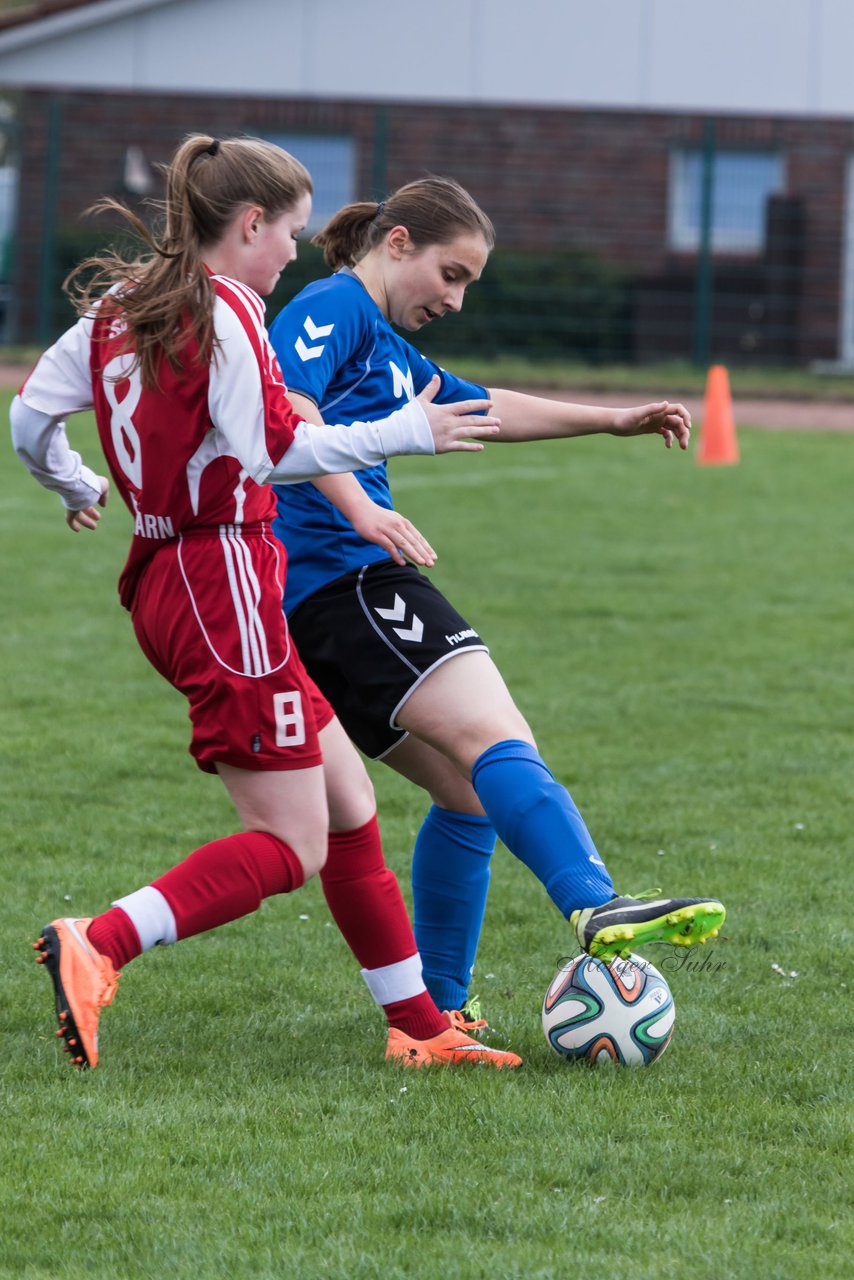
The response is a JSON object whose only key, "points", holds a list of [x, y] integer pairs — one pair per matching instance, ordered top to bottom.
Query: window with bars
{"points": [[741, 182]]}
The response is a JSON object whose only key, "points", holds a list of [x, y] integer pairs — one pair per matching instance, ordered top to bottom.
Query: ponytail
{"points": [[433, 210]]}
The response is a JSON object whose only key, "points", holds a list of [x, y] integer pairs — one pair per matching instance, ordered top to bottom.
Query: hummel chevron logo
{"points": [[314, 332], [397, 613]]}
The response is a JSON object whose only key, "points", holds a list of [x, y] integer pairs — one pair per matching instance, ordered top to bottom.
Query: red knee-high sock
{"points": [[227, 879], [219, 882], [367, 905]]}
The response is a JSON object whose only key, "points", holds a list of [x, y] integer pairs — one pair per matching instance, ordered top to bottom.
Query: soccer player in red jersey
{"points": [[171, 352]]}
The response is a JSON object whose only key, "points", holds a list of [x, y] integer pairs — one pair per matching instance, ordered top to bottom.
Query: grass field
{"points": [[680, 638]]}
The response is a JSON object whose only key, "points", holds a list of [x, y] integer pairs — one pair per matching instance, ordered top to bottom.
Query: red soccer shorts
{"points": [[208, 616]]}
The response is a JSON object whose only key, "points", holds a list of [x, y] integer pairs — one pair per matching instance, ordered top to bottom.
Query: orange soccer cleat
{"points": [[84, 982], [450, 1048]]}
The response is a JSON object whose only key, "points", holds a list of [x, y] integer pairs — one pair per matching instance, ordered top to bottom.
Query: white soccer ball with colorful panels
{"points": [[619, 1012]]}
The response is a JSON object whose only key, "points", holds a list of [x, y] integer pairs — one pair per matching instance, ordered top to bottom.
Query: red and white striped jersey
{"points": [[184, 456]]}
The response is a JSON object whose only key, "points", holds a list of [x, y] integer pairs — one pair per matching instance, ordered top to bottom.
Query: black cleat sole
{"points": [[48, 948]]}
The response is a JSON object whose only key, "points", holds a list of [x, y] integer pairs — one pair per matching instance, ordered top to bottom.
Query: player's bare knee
{"points": [[479, 737], [457, 794], [352, 802], [359, 804], [312, 855]]}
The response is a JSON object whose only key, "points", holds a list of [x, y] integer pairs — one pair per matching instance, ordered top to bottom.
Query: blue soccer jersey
{"points": [[336, 347]]}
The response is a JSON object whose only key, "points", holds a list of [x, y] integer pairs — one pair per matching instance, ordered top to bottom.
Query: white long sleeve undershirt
{"points": [[41, 443]]}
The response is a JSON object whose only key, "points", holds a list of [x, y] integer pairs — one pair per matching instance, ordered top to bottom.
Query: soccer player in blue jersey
{"points": [[408, 676]]}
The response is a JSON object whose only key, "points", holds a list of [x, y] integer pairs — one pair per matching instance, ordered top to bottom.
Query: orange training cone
{"points": [[718, 445]]}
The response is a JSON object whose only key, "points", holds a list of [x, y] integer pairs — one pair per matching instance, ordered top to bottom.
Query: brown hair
{"points": [[433, 210], [165, 296]]}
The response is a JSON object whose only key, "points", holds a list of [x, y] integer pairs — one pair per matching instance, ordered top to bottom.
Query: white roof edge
{"points": [[58, 24]]}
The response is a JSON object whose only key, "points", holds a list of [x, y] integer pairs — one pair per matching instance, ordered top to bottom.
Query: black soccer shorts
{"points": [[369, 639]]}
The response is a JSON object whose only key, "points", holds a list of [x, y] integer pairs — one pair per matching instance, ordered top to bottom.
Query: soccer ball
{"points": [[617, 1012]]}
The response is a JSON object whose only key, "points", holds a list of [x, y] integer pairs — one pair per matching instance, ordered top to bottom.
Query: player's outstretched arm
{"points": [[526, 417]]}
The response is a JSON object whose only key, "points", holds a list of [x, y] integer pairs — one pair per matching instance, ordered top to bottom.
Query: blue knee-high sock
{"points": [[536, 818], [450, 879]]}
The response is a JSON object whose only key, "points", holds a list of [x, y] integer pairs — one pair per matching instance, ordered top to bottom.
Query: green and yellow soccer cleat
{"points": [[619, 926]]}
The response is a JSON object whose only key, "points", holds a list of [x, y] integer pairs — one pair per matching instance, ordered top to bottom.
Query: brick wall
{"points": [[550, 179]]}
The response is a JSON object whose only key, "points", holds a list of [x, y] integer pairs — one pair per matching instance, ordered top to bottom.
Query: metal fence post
{"points": [[379, 174], [47, 251], [703, 287]]}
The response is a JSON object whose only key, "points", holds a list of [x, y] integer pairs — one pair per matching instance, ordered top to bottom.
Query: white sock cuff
{"points": [[151, 916], [395, 981]]}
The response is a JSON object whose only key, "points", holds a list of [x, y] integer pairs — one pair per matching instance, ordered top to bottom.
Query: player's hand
{"points": [[670, 421], [457, 427], [88, 518], [395, 534]]}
